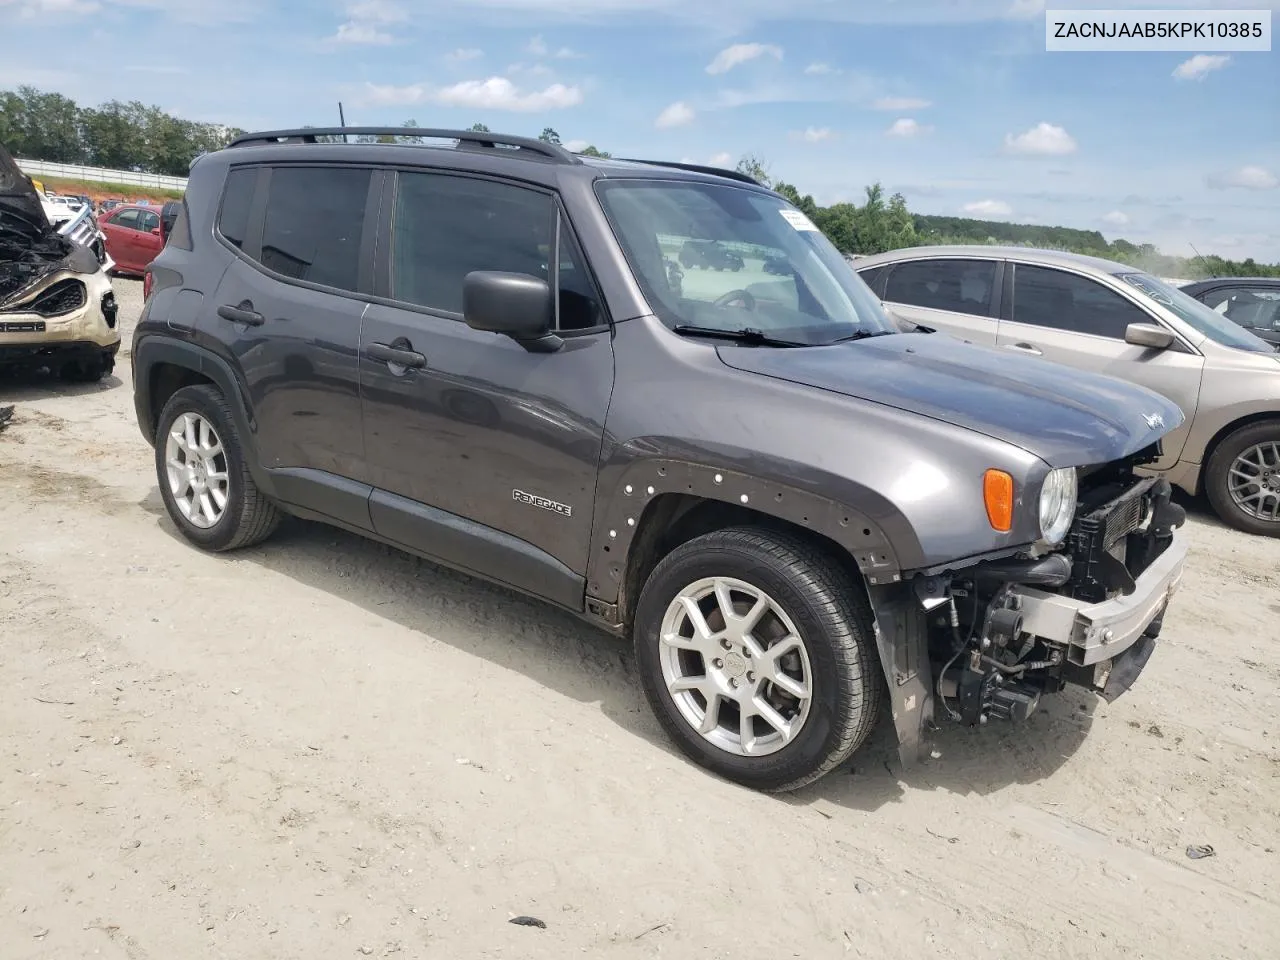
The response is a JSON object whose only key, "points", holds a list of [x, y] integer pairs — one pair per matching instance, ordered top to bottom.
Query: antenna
{"points": [[342, 121], [1203, 261]]}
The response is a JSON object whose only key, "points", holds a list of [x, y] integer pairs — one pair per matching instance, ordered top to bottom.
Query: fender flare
{"points": [[153, 350]]}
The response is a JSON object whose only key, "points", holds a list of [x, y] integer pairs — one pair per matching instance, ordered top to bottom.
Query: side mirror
{"points": [[155, 231], [516, 304], [1148, 335]]}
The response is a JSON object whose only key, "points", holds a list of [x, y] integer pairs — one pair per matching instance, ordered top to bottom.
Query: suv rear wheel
{"points": [[204, 479], [1242, 479], [758, 656]]}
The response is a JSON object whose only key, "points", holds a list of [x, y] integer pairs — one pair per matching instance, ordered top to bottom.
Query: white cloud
{"points": [[32, 9], [1026, 9], [377, 11], [362, 33], [537, 46], [565, 53], [741, 53], [463, 54], [1200, 66], [531, 70], [821, 70], [495, 93], [499, 93], [899, 104], [679, 114], [907, 127], [814, 134], [1044, 139], [575, 146], [721, 160], [1246, 178], [987, 208], [1117, 218]]}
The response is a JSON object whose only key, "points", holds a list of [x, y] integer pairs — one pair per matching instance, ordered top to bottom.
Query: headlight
{"points": [[1058, 504]]}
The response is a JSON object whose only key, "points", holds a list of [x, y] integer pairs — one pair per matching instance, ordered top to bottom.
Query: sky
{"points": [[954, 103]]}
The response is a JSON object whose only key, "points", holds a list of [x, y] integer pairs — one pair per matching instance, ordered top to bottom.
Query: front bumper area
{"points": [[1095, 632]]}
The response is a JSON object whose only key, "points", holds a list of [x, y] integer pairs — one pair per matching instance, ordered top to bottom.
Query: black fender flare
{"points": [[150, 351]]}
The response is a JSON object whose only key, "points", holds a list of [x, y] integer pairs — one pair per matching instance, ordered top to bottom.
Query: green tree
{"points": [[479, 128], [549, 136], [591, 151], [755, 168]]}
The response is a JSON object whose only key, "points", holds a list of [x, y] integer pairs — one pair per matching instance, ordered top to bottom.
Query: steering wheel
{"points": [[734, 296]]}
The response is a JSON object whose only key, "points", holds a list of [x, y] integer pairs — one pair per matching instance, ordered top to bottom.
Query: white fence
{"points": [[72, 171]]}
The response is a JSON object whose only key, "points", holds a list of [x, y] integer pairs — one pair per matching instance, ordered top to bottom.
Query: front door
{"points": [[954, 295], [288, 306], [1073, 319], [498, 444]]}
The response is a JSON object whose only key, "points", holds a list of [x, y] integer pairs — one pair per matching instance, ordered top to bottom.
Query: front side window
{"points": [[127, 219], [314, 224], [447, 226], [728, 258], [961, 286], [1044, 297], [1256, 308], [1191, 311]]}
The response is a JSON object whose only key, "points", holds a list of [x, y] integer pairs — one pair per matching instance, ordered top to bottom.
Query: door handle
{"points": [[241, 314], [1025, 348], [396, 355]]}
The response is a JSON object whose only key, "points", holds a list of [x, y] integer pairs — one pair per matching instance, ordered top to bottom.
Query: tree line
{"points": [[133, 136]]}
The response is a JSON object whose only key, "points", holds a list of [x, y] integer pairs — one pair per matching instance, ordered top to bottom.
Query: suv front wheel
{"points": [[204, 479], [757, 654]]}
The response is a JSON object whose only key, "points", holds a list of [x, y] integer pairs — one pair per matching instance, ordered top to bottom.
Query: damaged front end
{"points": [[57, 308], [986, 641]]}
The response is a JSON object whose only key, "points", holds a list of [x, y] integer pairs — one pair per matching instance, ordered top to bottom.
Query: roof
{"points": [[520, 157], [1051, 257], [1237, 281]]}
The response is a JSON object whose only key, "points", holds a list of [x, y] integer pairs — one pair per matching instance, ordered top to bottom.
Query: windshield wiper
{"points": [[749, 335], [863, 335]]}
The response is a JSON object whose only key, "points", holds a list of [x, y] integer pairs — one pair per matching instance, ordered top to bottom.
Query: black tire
{"points": [[1217, 477], [249, 517], [833, 618]]}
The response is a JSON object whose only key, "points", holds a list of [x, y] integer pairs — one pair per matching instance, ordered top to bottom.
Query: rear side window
{"points": [[233, 218], [148, 221], [314, 223], [447, 226], [961, 286], [1044, 297]]}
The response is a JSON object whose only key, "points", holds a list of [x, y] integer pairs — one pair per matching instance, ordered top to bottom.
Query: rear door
{"points": [[148, 239], [957, 295], [289, 308], [1074, 319]]}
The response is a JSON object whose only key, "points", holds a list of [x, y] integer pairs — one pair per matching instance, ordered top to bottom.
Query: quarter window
{"points": [[233, 218], [314, 223], [961, 286], [1043, 297]]}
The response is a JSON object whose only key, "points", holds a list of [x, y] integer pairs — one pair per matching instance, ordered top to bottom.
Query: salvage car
{"points": [[134, 237], [1252, 302], [57, 308], [1111, 318], [473, 351]]}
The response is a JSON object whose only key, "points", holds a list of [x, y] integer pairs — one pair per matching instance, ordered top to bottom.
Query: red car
{"points": [[133, 236]]}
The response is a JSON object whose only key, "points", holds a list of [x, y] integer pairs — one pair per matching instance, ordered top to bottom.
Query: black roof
{"points": [[521, 157], [1233, 282]]}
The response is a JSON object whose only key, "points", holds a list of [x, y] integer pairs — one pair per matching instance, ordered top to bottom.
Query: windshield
{"points": [[728, 258], [1190, 310]]}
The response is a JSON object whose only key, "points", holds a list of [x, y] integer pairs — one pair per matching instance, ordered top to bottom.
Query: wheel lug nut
{"points": [[726, 644], [718, 663], [751, 677], [733, 683]]}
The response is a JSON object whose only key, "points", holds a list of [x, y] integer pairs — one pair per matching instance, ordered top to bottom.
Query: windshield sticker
{"points": [[798, 220]]}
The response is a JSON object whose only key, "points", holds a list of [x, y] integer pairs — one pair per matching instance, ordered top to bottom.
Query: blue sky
{"points": [[954, 102]]}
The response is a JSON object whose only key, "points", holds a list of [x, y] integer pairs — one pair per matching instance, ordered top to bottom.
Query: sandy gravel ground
{"points": [[324, 748]]}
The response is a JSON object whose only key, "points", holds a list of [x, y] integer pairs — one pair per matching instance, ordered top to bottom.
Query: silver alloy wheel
{"points": [[196, 466], [1254, 481], [736, 666]]}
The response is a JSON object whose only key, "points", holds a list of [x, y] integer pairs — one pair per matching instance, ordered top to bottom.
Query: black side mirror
{"points": [[515, 304], [1148, 335]]}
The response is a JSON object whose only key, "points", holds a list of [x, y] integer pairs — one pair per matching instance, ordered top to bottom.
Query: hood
{"points": [[21, 210], [30, 248], [1064, 416]]}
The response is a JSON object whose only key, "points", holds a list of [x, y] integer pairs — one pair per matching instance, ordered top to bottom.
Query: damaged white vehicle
{"points": [[57, 308]]}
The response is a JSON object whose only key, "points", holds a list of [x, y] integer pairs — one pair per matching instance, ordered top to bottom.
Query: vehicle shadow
{"points": [[26, 385], [576, 660]]}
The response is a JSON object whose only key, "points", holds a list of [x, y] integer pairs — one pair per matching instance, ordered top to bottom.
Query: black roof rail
{"points": [[551, 151], [700, 168]]}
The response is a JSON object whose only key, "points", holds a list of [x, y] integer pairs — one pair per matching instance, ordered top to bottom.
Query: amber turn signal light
{"points": [[997, 493]]}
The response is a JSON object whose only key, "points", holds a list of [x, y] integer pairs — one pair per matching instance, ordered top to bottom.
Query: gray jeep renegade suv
{"points": [[484, 352]]}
